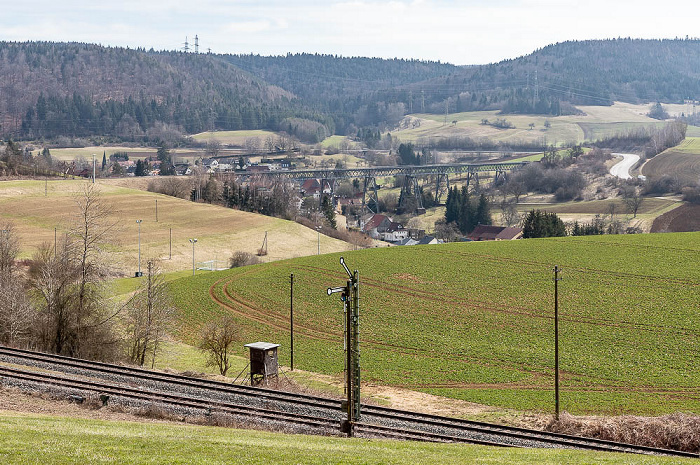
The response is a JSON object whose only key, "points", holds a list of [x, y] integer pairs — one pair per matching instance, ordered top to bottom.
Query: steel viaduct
{"points": [[441, 173]]}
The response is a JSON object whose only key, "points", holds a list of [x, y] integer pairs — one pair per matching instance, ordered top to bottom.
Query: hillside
{"points": [[593, 72], [72, 89], [81, 90], [220, 231], [474, 321]]}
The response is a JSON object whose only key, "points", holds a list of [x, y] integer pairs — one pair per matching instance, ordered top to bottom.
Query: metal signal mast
{"points": [[196, 43], [350, 295]]}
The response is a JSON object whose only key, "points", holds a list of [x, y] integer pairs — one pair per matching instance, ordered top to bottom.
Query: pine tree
{"points": [[328, 211]]}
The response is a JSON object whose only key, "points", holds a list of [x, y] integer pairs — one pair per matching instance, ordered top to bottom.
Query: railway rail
{"points": [[308, 413]]}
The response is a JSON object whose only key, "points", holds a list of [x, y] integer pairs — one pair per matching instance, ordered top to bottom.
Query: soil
{"points": [[685, 218]]}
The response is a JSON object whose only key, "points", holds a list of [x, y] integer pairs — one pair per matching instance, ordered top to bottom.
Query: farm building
{"points": [[485, 232]]}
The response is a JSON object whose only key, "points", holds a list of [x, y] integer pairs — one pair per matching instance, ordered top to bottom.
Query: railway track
{"points": [[306, 413]]}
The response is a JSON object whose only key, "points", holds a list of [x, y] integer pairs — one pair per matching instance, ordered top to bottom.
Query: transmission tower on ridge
{"points": [[196, 43], [186, 47]]}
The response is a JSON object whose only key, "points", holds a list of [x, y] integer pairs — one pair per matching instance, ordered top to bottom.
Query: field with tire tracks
{"points": [[474, 321]]}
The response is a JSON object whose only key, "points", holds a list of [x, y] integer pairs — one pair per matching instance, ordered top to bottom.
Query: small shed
{"points": [[263, 362]]}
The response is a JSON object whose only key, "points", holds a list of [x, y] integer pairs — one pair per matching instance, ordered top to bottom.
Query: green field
{"points": [[474, 321], [31, 439]]}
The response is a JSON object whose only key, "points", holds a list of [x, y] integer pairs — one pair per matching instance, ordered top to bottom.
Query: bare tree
{"points": [[252, 144], [269, 144], [213, 148], [517, 189], [633, 200], [509, 214], [9, 248], [15, 312], [16, 315], [150, 316], [73, 319], [217, 341]]}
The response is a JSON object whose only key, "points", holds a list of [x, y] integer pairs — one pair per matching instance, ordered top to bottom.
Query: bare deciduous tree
{"points": [[213, 148], [633, 200], [509, 214], [16, 314], [149, 318], [73, 319], [216, 342]]}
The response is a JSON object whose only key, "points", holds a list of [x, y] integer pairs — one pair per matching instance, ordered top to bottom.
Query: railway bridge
{"points": [[440, 172]]}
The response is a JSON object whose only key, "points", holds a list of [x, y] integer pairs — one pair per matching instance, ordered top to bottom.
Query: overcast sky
{"points": [[461, 32]]}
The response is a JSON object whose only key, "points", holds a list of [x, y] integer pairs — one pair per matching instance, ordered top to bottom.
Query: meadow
{"points": [[596, 122], [42, 211], [474, 321], [34, 438]]}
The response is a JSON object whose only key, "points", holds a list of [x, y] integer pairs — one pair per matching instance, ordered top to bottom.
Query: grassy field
{"points": [[596, 122], [234, 137], [135, 153], [682, 161], [649, 209], [220, 231], [474, 321], [29, 439]]}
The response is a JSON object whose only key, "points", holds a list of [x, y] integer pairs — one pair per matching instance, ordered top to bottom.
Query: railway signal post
{"points": [[350, 295]]}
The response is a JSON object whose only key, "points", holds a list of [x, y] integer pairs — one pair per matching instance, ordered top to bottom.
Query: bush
{"points": [[662, 185], [691, 194], [240, 258]]}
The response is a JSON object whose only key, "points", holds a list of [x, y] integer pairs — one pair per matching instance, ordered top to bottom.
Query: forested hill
{"points": [[594, 72], [330, 81], [50, 89], [72, 89]]}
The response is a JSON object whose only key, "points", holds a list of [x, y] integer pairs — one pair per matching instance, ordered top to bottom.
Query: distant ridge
{"points": [[52, 89]]}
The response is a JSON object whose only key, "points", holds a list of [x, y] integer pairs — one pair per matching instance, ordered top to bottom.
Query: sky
{"points": [[462, 32]]}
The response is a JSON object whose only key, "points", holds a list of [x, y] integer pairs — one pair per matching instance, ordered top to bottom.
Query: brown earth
{"points": [[685, 218]]}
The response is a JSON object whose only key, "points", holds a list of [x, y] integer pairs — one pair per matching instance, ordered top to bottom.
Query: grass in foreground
{"points": [[26, 439]]}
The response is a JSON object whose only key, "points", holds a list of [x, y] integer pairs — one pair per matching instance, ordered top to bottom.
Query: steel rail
{"points": [[179, 380], [165, 398], [415, 419]]}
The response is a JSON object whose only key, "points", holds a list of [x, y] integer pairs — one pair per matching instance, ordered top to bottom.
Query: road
{"points": [[622, 169]]}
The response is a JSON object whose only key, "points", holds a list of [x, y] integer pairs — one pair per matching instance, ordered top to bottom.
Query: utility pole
{"points": [[422, 101], [410, 102], [447, 106], [93, 168], [156, 210], [193, 242], [171, 243], [138, 274], [556, 340]]}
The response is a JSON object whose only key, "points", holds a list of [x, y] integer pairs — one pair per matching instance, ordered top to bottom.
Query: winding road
{"points": [[622, 169]]}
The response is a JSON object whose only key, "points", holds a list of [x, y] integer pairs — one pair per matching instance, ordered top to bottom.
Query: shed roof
{"points": [[262, 345]]}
